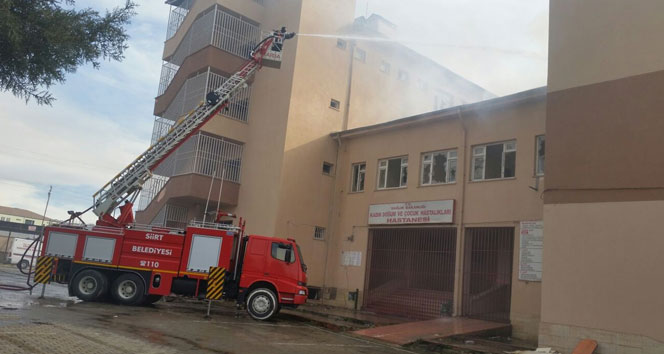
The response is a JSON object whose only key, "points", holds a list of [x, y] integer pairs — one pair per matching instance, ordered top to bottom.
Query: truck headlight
{"points": [[302, 292]]}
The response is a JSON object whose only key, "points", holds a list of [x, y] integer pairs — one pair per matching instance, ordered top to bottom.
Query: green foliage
{"points": [[43, 40]]}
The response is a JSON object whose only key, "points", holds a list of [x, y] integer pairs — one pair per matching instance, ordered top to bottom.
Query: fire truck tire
{"points": [[90, 285], [128, 289], [262, 304]]}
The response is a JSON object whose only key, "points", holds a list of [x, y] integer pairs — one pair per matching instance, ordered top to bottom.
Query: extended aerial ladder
{"points": [[126, 185]]}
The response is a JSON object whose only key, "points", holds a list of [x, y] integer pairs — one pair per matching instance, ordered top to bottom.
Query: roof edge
{"points": [[447, 113]]}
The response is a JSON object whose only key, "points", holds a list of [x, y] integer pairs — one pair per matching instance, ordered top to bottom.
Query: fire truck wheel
{"points": [[89, 285], [128, 289], [262, 304]]}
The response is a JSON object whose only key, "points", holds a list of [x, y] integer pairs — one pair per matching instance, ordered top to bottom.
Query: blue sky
{"points": [[102, 119]]}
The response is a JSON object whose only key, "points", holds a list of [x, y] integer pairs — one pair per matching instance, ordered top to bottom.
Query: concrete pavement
{"points": [[60, 324]]}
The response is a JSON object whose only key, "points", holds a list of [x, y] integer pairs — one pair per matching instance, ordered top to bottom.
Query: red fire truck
{"points": [[138, 264]]}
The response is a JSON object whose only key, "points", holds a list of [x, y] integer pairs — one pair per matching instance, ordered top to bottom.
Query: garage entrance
{"points": [[410, 271], [487, 278]]}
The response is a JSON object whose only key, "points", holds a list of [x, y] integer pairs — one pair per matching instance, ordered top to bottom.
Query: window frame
{"points": [[360, 57], [385, 66], [405, 75], [337, 102], [474, 155], [537, 162], [447, 166], [362, 168], [331, 172], [401, 172], [319, 230], [272, 253]]}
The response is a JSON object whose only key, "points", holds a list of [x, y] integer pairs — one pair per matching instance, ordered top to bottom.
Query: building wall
{"points": [[425, 89], [604, 184], [304, 190], [487, 203], [22, 220]]}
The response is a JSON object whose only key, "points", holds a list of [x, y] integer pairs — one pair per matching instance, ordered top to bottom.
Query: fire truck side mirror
{"points": [[289, 256]]}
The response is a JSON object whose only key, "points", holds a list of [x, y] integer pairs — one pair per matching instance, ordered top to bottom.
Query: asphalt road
{"points": [[60, 324]]}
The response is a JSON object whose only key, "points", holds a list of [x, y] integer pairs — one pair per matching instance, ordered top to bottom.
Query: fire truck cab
{"points": [[138, 264]]}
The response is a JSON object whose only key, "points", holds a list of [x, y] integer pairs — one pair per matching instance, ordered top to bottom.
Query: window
{"points": [[341, 44], [360, 55], [384, 67], [403, 75], [421, 84], [334, 104], [539, 155], [493, 161], [439, 167], [327, 168], [393, 173], [357, 179], [2, 218], [29, 222], [319, 233], [279, 251]]}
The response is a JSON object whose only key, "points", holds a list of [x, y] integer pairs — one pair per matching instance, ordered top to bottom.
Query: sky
{"points": [[102, 119]]}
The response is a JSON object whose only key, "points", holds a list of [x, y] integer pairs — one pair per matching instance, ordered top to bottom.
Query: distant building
{"points": [[23, 216]]}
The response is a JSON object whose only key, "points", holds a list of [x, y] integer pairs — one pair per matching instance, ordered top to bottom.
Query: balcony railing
{"points": [[176, 17], [215, 27], [220, 28], [234, 34], [168, 71], [193, 91], [160, 128], [202, 154], [206, 155], [150, 190], [171, 216]]}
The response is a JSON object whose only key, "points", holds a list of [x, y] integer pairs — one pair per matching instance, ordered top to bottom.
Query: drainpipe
{"points": [[460, 245]]}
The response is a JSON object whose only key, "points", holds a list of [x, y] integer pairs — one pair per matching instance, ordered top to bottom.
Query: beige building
{"points": [[272, 146], [459, 182], [604, 197]]}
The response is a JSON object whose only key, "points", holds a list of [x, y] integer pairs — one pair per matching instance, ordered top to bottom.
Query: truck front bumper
{"points": [[299, 299]]}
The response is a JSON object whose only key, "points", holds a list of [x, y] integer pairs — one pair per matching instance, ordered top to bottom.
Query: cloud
{"points": [[33, 197]]}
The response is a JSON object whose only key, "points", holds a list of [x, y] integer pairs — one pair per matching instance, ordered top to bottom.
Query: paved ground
{"points": [[59, 324]]}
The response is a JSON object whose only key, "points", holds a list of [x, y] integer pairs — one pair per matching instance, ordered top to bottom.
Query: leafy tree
{"points": [[43, 40]]}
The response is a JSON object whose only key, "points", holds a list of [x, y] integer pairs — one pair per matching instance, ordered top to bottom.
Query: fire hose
{"points": [[29, 286]]}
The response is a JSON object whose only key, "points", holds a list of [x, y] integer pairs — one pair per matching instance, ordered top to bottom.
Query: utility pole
{"points": [[41, 237]]}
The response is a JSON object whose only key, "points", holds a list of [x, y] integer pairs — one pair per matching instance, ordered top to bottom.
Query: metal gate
{"points": [[410, 271], [487, 278]]}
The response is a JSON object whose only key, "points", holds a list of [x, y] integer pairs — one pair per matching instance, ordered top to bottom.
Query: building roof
{"points": [[447, 113], [22, 213]]}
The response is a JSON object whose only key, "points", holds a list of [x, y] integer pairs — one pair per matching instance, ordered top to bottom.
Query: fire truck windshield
{"points": [[299, 253]]}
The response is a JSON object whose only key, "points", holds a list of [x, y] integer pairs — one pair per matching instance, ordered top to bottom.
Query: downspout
{"points": [[462, 231]]}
